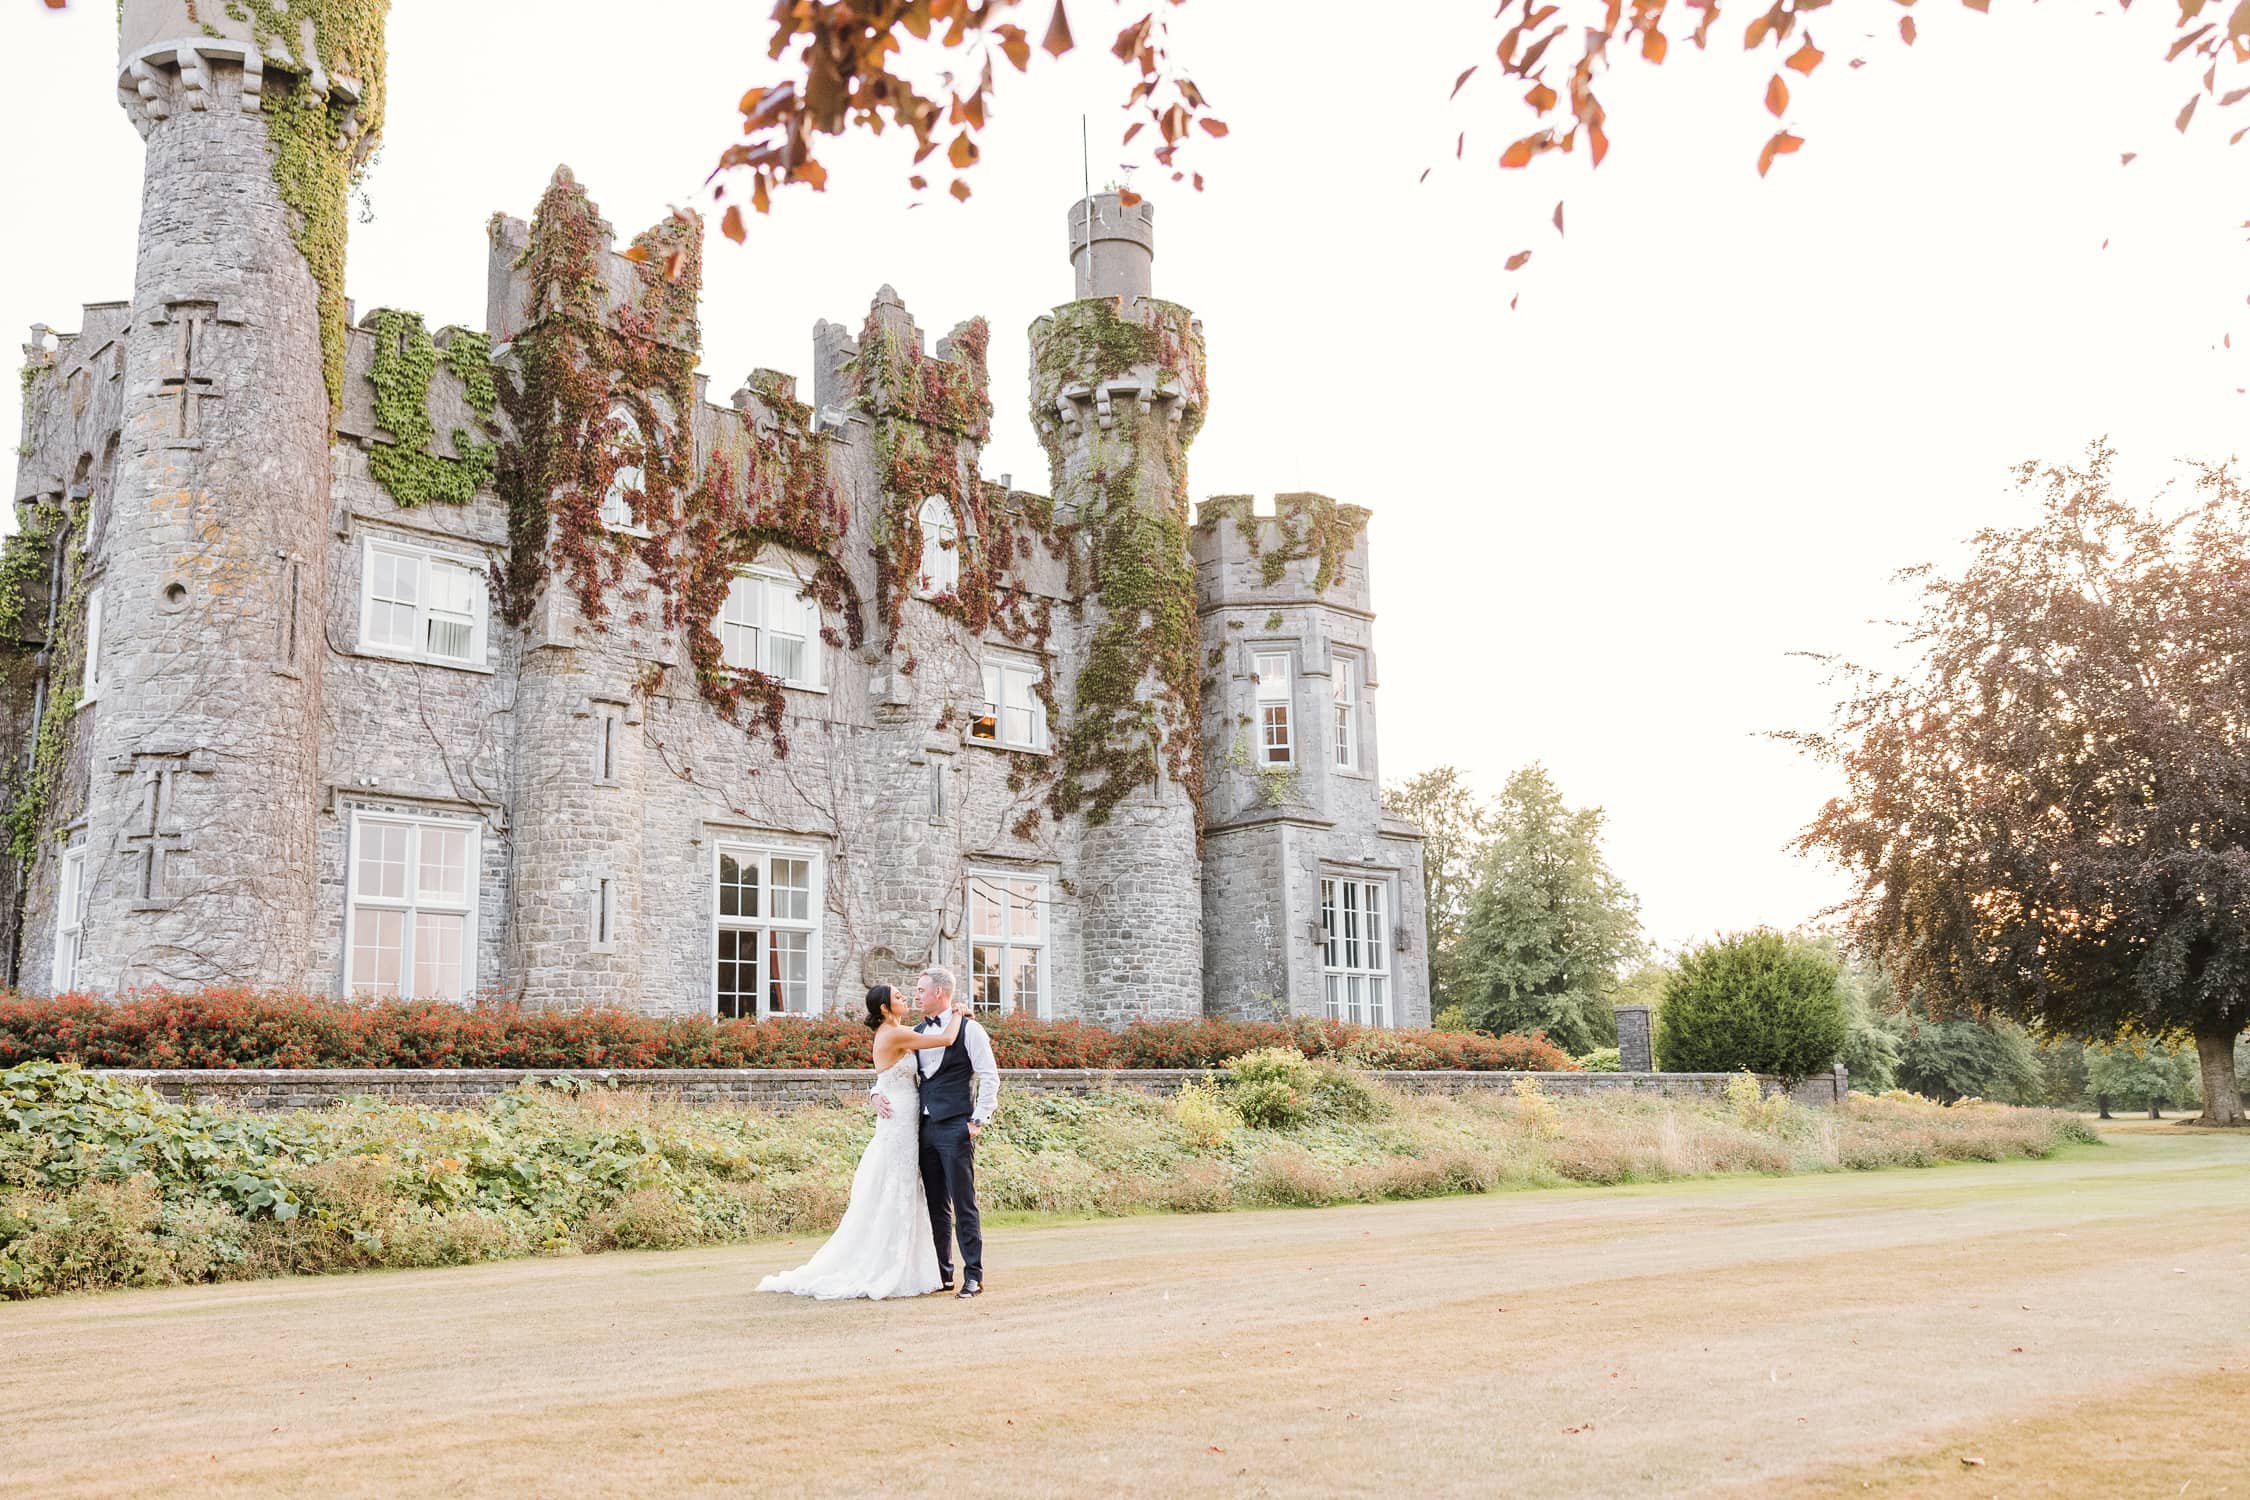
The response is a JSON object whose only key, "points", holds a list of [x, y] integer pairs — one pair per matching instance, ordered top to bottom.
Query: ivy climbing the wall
{"points": [[321, 140], [406, 359], [592, 390], [1307, 526], [25, 560], [1137, 703], [36, 785]]}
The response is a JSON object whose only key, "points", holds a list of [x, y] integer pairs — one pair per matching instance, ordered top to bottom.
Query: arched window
{"points": [[617, 508], [941, 547]]}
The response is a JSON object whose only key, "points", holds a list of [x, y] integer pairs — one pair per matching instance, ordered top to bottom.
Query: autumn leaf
{"points": [[1978, 5], [1906, 29], [1057, 41], [1015, 45], [1653, 46], [1805, 58], [1464, 78], [1540, 97], [1777, 97], [2188, 113], [1212, 127], [1600, 141], [1782, 144], [963, 152], [1520, 154], [2127, 159], [917, 182], [960, 190], [1126, 197], [1558, 219], [731, 225], [635, 253], [1516, 261]]}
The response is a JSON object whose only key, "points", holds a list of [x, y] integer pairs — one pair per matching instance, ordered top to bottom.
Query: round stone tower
{"points": [[1118, 392], [203, 734]]}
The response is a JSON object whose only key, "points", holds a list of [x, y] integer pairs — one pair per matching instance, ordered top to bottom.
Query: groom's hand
{"points": [[883, 1106], [975, 1130]]}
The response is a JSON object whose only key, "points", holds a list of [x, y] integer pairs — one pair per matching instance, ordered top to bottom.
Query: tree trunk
{"points": [[2222, 1094], [2101, 1102], [2153, 1112]]}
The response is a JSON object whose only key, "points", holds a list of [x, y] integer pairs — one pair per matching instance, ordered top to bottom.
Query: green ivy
{"points": [[315, 163], [405, 360], [1307, 526], [23, 566], [28, 808]]}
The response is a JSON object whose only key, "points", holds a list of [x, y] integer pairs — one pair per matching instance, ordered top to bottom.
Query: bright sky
{"points": [[1725, 411]]}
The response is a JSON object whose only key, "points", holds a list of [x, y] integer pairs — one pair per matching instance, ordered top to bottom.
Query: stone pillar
{"points": [[1117, 395], [204, 741], [1633, 1050]]}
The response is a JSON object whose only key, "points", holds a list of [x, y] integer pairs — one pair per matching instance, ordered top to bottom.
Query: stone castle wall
{"points": [[247, 725], [794, 1088]]}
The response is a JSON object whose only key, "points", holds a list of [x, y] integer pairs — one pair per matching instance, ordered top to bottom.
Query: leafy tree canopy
{"points": [[2048, 814], [1455, 827], [1547, 926]]}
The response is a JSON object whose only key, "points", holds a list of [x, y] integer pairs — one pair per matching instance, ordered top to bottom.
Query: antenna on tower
{"points": [[1086, 182]]}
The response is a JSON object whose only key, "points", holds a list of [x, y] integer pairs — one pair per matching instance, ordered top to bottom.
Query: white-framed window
{"points": [[631, 476], [941, 547], [422, 605], [768, 625], [1344, 677], [90, 684], [1014, 715], [1276, 746], [410, 917], [70, 919], [1007, 943], [766, 945], [1356, 957]]}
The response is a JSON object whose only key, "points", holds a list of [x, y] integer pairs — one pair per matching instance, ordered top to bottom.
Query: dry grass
{"points": [[388, 1186], [1785, 1335]]}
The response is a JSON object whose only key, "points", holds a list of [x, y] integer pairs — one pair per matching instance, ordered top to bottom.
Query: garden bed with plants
{"points": [[232, 1028], [104, 1184]]}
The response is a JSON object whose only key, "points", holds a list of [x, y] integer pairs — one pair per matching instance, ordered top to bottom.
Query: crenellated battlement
{"points": [[1307, 548], [723, 708]]}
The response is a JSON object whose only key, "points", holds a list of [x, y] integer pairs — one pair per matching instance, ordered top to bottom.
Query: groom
{"points": [[951, 1122]]}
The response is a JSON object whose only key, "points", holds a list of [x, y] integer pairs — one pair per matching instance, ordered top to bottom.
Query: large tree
{"points": [[2048, 813], [1455, 826], [1548, 927]]}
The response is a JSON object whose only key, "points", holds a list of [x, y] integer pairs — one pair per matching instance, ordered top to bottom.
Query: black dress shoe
{"points": [[946, 1285], [970, 1288]]}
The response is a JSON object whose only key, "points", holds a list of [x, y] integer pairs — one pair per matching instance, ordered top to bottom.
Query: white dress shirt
{"points": [[980, 1060]]}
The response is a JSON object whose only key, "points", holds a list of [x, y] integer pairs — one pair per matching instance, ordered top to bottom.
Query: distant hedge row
{"points": [[240, 1028]]}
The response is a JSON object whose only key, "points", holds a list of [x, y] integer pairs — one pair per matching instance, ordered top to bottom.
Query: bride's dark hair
{"points": [[878, 1001]]}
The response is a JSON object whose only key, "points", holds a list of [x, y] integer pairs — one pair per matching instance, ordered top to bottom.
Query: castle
{"points": [[351, 656]]}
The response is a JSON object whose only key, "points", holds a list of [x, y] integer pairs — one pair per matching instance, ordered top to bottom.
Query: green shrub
{"points": [[1755, 1002], [1602, 1060], [1268, 1104], [1201, 1111]]}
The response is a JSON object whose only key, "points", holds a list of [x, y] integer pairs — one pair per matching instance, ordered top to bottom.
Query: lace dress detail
{"points": [[883, 1248]]}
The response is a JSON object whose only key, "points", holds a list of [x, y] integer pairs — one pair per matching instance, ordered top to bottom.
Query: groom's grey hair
{"points": [[941, 977]]}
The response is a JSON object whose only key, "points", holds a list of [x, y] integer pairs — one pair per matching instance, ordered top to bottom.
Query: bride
{"points": [[884, 1247]]}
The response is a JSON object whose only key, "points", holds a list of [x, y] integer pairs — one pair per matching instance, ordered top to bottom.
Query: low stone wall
{"points": [[791, 1088]]}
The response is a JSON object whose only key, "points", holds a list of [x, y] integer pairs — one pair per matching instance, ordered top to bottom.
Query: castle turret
{"points": [[1117, 384], [205, 591]]}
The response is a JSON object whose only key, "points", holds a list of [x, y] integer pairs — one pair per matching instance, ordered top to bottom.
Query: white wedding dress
{"points": [[883, 1248]]}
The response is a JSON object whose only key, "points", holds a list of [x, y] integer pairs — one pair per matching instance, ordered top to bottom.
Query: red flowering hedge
{"points": [[237, 1028]]}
